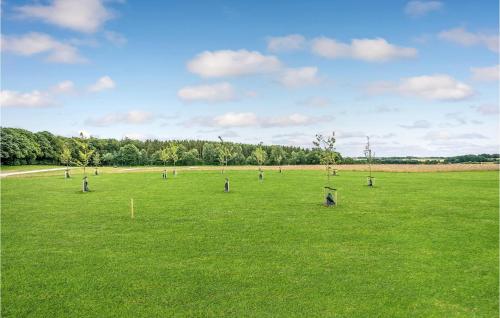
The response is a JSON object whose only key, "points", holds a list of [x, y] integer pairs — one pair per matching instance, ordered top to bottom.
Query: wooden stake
{"points": [[131, 208]]}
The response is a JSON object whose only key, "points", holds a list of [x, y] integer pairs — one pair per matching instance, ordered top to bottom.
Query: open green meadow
{"points": [[416, 245]]}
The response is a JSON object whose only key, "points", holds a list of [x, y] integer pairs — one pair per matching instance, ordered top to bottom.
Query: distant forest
{"points": [[20, 147]]}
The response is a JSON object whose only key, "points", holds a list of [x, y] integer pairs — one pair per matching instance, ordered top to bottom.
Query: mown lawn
{"points": [[416, 245]]}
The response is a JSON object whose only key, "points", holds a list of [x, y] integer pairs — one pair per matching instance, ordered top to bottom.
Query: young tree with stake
{"points": [[224, 153], [84, 154], [173, 154], [277, 155], [260, 156], [328, 156], [164, 157], [369, 157], [65, 159], [96, 161]]}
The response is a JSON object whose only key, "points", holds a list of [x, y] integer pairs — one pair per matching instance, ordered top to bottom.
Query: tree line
{"points": [[20, 147]]}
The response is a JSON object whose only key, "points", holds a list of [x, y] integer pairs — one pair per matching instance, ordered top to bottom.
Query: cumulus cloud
{"points": [[421, 8], [84, 16], [465, 38], [292, 42], [39, 43], [369, 50], [232, 63], [486, 74], [299, 77], [102, 83], [64, 87], [432, 87], [220, 92], [43, 98], [34, 99], [315, 101], [487, 109], [134, 117], [249, 119], [235, 120], [291, 120], [419, 124]]}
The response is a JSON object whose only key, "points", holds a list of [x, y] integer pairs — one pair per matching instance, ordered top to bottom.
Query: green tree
{"points": [[209, 153], [224, 153], [84, 154], [129, 154], [173, 154], [278, 155], [328, 155], [164, 156], [260, 156], [65, 157], [190, 157], [108, 158], [96, 161]]}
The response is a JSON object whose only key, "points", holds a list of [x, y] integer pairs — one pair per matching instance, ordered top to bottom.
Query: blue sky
{"points": [[419, 77]]}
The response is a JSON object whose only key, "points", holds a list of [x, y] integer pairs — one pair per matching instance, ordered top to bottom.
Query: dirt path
{"points": [[355, 167], [15, 173]]}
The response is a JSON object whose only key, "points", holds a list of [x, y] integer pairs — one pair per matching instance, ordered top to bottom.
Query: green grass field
{"points": [[416, 245]]}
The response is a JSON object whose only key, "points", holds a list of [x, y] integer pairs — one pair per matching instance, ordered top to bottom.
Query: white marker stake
{"points": [[131, 208]]}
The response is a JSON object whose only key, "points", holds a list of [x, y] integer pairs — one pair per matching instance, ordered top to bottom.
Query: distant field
{"points": [[355, 167], [416, 245]]}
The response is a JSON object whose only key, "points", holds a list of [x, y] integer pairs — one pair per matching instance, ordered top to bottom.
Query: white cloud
{"points": [[420, 8], [79, 15], [116, 38], [465, 38], [40, 43], [287, 43], [370, 50], [232, 63], [486, 74], [298, 77], [102, 83], [64, 87], [432, 87], [220, 92], [47, 97], [34, 99], [315, 101], [386, 109], [487, 109], [134, 117], [249, 119], [457, 119], [235, 120], [290, 120], [419, 124], [350, 134], [444, 135]]}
